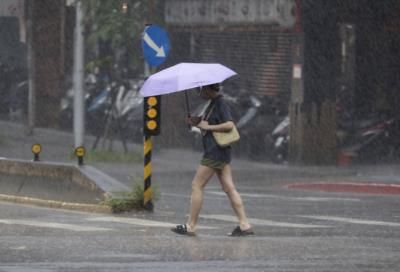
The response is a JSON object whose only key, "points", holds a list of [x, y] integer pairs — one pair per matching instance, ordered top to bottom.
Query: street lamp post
{"points": [[79, 124]]}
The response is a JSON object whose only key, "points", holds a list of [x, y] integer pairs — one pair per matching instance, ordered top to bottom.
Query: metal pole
{"points": [[31, 70], [79, 125]]}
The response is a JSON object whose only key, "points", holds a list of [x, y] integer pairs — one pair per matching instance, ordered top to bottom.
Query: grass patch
{"points": [[110, 156], [128, 201]]}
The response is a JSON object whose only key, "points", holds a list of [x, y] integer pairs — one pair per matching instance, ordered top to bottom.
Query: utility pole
{"points": [[316, 55], [31, 68], [79, 124]]}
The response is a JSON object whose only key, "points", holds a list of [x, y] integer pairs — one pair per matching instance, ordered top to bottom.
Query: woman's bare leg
{"points": [[225, 178], [200, 180]]}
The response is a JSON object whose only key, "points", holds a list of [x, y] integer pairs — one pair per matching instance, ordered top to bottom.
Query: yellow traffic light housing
{"points": [[152, 118]]}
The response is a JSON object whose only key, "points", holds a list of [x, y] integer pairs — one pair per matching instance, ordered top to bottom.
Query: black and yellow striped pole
{"points": [[152, 106], [148, 190]]}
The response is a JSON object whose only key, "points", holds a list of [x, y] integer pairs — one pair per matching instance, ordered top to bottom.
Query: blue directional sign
{"points": [[155, 45]]}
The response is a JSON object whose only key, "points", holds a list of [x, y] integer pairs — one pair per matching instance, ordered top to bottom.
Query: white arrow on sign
{"points": [[159, 50]]}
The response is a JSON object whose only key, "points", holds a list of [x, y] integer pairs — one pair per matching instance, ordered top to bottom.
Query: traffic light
{"points": [[152, 110]]}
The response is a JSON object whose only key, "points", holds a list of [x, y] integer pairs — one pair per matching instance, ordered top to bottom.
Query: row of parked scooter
{"points": [[111, 105], [262, 122], [265, 130], [372, 139]]}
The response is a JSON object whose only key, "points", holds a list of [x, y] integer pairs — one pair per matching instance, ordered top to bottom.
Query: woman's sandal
{"points": [[182, 229], [239, 232]]}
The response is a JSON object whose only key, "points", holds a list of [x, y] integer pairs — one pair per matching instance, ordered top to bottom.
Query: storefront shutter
{"points": [[263, 58]]}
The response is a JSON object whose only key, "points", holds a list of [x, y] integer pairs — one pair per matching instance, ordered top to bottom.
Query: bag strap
{"points": [[209, 110], [207, 115]]}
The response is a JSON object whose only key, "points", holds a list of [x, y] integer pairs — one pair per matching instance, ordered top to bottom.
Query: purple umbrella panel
{"points": [[185, 76]]}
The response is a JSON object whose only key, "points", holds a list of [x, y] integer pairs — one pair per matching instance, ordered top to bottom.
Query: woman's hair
{"points": [[215, 87]]}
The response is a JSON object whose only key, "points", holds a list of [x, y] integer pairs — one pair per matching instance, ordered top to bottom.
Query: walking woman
{"points": [[216, 160]]}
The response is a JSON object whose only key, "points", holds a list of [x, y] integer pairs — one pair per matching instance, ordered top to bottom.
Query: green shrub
{"points": [[128, 201]]}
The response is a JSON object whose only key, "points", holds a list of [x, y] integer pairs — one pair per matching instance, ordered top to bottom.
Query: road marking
{"points": [[349, 187], [187, 196], [317, 199], [352, 220], [138, 222], [261, 222], [51, 225], [19, 248]]}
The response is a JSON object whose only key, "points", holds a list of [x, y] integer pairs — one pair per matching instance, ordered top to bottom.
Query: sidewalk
{"points": [[57, 146]]}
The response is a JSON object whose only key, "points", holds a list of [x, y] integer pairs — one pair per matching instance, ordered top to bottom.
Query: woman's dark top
{"points": [[220, 113]]}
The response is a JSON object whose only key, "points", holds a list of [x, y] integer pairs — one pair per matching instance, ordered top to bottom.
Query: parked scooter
{"points": [[93, 87], [18, 101], [108, 101], [120, 108], [129, 109], [279, 139], [367, 140], [378, 142]]}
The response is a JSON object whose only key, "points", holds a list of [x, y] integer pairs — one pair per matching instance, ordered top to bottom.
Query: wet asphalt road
{"points": [[296, 230]]}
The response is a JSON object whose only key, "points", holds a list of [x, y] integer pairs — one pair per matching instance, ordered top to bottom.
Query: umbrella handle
{"points": [[187, 104], [187, 108]]}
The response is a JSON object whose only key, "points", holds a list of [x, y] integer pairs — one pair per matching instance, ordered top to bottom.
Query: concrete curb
{"points": [[86, 177], [56, 204]]}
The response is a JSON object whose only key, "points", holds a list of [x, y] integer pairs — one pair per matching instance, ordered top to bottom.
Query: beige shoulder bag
{"points": [[227, 138]]}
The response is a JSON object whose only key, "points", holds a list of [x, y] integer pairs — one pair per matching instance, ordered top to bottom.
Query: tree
{"points": [[114, 30]]}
